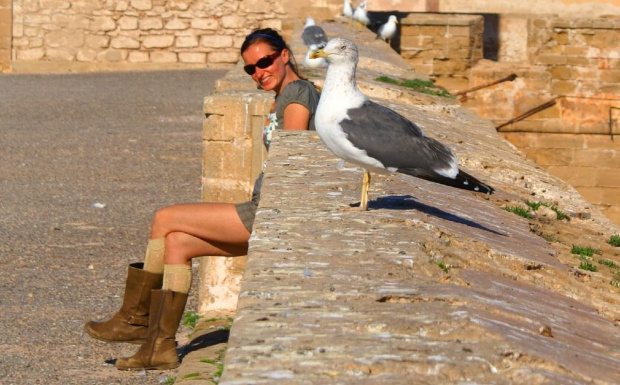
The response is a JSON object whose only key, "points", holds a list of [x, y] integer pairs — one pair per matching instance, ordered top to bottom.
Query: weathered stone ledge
{"points": [[432, 282]]}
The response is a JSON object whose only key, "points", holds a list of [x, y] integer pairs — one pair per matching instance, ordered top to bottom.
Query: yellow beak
{"points": [[318, 53]]}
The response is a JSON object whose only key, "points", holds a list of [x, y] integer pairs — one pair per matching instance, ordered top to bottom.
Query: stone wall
{"points": [[6, 24], [86, 35], [442, 46], [577, 63]]}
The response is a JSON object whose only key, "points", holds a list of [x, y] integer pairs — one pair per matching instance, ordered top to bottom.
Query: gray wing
{"points": [[314, 35], [394, 140]]}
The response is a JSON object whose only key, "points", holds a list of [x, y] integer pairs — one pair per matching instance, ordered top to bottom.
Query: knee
{"points": [[162, 219], [177, 248]]}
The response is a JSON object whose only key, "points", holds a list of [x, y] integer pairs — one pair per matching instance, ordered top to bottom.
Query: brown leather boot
{"points": [[131, 323], [160, 349]]}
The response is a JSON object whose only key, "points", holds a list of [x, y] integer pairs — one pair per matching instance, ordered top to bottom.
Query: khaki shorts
{"points": [[247, 212]]}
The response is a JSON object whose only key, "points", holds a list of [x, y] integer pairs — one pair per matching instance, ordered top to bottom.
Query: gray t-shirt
{"points": [[300, 92]]}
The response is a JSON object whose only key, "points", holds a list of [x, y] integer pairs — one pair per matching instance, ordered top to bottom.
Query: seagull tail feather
{"points": [[462, 180]]}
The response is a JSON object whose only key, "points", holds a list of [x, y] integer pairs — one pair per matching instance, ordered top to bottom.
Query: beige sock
{"points": [[154, 258], [177, 278]]}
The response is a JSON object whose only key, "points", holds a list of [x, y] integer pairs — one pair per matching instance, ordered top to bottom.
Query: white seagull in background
{"points": [[347, 10], [361, 15], [388, 30], [312, 34], [309, 62], [375, 137]]}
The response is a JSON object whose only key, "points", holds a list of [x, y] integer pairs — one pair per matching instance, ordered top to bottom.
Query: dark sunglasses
{"points": [[262, 63]]}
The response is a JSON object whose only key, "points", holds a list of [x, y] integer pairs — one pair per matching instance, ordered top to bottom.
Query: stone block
{"points": [[141, 5], [255, 6], [233, 21], [128, 23], [151, 23], [103, 24], [209, 24], [177, 25], [66, 38], [97, 41], [154, 41], [216, 41], [124, 42], [186, 42], [30, 54], [60, 55], [138, 57], [163, 57], [192, 57], [229, 57], [551, 60], [561, 72], [563, 87], [226, 117], [519, 139], [557, 141], [554, 157], [597, 158], [228, 161], [575, 176], [607, 177], [593, 195], [610, 196]]}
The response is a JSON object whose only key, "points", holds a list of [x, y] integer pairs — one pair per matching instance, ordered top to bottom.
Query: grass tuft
{"points": [[423, 86], [519, 211], [560, 214], [614, 240], [585, 251], [609, 263], [443, 266], [587, 266], [190, 319], [191, 375], [169, 381]]}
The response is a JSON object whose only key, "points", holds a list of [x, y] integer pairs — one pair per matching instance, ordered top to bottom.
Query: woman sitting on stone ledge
{"points": [[156, 290]]}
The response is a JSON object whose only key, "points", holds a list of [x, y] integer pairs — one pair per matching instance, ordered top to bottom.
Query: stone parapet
{"points": [[433, 283]]}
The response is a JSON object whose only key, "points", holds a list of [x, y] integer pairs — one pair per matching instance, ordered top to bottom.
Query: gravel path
{"points": [[86, 159]]}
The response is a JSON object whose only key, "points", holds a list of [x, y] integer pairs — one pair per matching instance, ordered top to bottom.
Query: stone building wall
{"points": [[6, 24], [89, 34], [443, 46], [577, 63]]}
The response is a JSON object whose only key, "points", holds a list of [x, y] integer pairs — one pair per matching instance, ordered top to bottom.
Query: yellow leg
{"points": [[365, 185]]}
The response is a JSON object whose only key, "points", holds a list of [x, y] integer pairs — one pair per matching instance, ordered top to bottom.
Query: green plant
{"points": [[423, 86], [519, 211], [560, 214], [614, 240], [584, 250], [609, 263], [442, 265], [587, 266], [190, 319], [191, 375], [169, 381]]}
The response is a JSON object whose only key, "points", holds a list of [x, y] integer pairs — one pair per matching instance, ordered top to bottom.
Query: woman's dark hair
{"points": [[272, 38]]}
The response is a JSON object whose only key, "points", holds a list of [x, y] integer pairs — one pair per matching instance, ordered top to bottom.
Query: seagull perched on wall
{"points": [[347, 10], [361, 15], [388, 30], [312, 34], [375, 137]]}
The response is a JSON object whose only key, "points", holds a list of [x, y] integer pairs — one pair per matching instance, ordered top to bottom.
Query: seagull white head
{"points": [[392, 19], [309, 22], [338, 50]]}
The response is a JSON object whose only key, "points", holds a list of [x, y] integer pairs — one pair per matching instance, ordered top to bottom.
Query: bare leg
{"points": [[198, 229]]}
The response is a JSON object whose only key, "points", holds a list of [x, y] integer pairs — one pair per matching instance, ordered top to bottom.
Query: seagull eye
{"points": [[342, 48]]}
